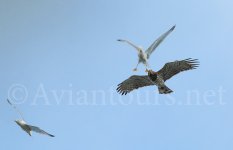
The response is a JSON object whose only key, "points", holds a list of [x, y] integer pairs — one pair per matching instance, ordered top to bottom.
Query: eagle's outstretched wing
{"points": [[157, 42], [172, 68], [132, 83], [38, 130]]}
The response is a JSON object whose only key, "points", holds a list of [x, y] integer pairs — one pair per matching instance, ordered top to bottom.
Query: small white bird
{"points": [[143, 56], [26, 127]]}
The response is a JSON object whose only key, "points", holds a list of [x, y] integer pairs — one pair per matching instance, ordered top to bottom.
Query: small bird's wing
{"points": [[157, 42], [130, 43], [172, 68], [132, 83], [17, 110], [38, 130]]}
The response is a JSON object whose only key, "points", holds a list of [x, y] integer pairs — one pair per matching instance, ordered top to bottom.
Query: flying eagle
{"points": [[143, 56], [157, 78], [26, 127]]}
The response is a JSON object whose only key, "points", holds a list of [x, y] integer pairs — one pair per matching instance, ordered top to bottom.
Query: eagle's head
{"points": [[152, 74]]}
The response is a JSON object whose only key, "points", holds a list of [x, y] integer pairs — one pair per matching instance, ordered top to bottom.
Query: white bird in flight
{"points": [[143, 56], [26, 127]]}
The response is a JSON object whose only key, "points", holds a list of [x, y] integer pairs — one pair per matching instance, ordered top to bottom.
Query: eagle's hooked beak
{"points": [[147, 70]]}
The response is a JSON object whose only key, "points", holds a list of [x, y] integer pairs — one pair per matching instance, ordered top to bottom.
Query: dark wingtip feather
{"points": [[173, 28], [120, 40], [191, 59], [194, 63], [119, 84], [118, 88], [120, 91], [9, 101], [51, 135]]}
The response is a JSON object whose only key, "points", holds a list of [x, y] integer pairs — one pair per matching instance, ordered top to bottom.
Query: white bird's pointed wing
{"points": [[157, 42], [130, 43], [17, 110], [38, 130]]}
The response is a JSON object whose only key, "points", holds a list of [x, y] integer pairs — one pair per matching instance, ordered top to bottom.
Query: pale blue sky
{"points": [[70, 48]]}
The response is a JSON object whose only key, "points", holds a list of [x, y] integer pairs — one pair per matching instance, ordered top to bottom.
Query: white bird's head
{"points": [[140, 48], [20, 122]]}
